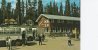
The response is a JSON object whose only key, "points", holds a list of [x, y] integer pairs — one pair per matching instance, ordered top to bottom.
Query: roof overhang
{"points": [[58, 17]]}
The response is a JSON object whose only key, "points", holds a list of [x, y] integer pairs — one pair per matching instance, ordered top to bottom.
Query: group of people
{"points": [[41, 38]]}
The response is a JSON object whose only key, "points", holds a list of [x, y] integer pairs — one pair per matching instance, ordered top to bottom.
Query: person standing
{"points": [[68, 33], [34, 35], [43, 37], [23, 38], [40, 39], [69, 41], [9, 43]]}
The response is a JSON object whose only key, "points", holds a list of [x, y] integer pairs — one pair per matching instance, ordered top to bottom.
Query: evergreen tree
{"points": [[40, 7], [22, 8], [26, 8], [67, 8], [3, 9], [49, 9], [56, 9], [61, 9], [71, 9], [9, 10], [30, 11], [78, 11], [18, 12], [74, 12], [0, 13], [65, 13], [12, 14], [35, 15], [1, 17]]}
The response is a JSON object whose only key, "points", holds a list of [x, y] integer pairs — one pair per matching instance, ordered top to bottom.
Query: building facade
{"points": [[54, 24]]}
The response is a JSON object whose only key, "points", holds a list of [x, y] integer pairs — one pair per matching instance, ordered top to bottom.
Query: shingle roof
{"points": [[58, 17]]}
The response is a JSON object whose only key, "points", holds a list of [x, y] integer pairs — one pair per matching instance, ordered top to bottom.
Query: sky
{"points": [[45, 2]]}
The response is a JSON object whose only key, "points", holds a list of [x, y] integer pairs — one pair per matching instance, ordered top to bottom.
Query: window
{"points": [[52, 20], [46, 21], [58, 21], [62, 21], [46, 25], [46, 29], [57, 29], [60, 29], [63, 29], [53, 30]]}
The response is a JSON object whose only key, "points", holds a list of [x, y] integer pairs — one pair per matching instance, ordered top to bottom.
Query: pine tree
{"points": [[34, 3], [40, 7], [22, 8], [26, 8], [67, 8], [3, 9], [49, 9], [56, 9], [61, 9], [71, 9], [9, 10], [22, 11], [30, 11], [78, 11], [18, 12], [74, 12], [0, 13], [12, 14], [1, 17]]}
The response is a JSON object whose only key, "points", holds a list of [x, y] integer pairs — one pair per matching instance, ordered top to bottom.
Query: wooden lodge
{"points": [[55, 24]]}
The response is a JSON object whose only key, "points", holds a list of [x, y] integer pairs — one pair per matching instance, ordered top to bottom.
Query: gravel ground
{"points": [[57, 43]]}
